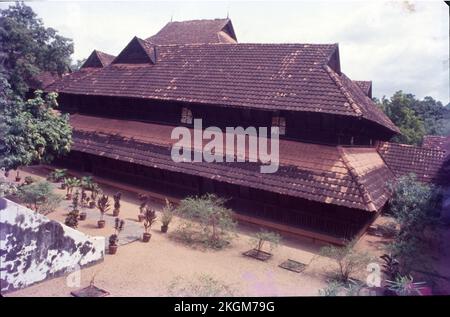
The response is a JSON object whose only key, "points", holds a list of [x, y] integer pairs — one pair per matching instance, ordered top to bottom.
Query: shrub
{"points": [[57, 175], [39, 196], [167, 213], [72, 219], [211, 220], [346, 259], [201, 286]]}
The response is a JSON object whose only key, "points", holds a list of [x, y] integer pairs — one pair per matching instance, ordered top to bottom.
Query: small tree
{"points": [[57, 175], [71, 183], [39, 196], [166, 215], [149, 219], [214, 220], [264, 237], [347, 260]]}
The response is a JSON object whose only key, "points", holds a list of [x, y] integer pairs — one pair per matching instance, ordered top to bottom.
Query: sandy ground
{"points": [[147, 269]]}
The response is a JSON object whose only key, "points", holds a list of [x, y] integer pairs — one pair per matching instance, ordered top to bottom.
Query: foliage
{"points": [[28, 47], [416, 118], [33, 131], [57, 175], [29, 180], [86, 182], [71, 183], [7, 188], [39, 196], [116, 198], [103, 205], [414, 206], [167, 213], [149, 218], [72, 219], [211, 220], [264, 237], [113, 239], [347, 260], [390, 266], [201, 286], [405, 286], [336, 288]]}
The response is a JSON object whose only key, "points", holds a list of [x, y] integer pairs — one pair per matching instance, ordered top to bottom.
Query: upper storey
{"points": [[195, 32]]}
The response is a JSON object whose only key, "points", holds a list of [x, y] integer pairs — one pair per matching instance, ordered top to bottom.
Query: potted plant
{"points": [[57, 175], [18, 178], [29, 180], [71, 183], [95, 190], [116, 198], [143, 199], [103, 206], [166, 216], [72, 219], [149, 220], [114, 238]]}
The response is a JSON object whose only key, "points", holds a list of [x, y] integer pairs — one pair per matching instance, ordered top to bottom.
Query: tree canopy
{"points": [[28, 47], [416, 118]]}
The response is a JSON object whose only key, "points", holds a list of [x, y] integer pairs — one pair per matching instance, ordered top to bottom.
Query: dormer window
{"points": [[186, 115], [279, 122]]}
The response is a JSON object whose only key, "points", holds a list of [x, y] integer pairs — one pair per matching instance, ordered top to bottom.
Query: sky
{"points": [[399, 45]]}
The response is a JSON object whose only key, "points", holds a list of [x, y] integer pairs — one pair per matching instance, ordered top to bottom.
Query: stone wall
{"points": [[34, 248]]}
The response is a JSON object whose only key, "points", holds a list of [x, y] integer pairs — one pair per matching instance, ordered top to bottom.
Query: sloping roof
{"points": [[195, 32], [137, 51], [98, 59], [293, 77], [366, 86], [437, 142], [426, 163], [350, 177]]}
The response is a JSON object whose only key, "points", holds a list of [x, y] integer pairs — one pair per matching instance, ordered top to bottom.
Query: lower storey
{"points": [[290, 215]]}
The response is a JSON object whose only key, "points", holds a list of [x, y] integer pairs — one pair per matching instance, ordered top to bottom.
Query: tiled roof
{"points": [[195, 32], [98, 59], [293, 77], [366, 86], [437, 142], [426, 163], [350, 177]]}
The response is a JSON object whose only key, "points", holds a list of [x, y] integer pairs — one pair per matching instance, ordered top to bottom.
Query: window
{"points": [[186, 115], [279, 122]]}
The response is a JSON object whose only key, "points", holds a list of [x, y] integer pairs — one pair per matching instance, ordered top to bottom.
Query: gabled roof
{"points": [[195, 32], [137, 51], [98, 59], [293, 77], [43, 80], [366, 87], [426, 163], [345, 176]]}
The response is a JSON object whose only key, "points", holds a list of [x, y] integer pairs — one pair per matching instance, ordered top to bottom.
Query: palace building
{"points": [[334, 150]]}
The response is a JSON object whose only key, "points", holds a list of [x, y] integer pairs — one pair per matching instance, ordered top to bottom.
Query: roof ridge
{"points": [[352, 104], [357, 179]]}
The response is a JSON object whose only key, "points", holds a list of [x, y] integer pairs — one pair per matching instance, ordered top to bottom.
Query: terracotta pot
{"points": [[7, 174], [18, 179], [63, 186], [68, 196], [92, 204], [116, 212], [83, 216], [141, 218], [101, 224], [164, 228], [146, 237], [112, 249]]}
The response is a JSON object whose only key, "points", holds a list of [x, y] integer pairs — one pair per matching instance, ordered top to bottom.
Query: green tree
{"points": [[28, 47], [398, 109], [33, 131], [39, 196], [415, 207]]}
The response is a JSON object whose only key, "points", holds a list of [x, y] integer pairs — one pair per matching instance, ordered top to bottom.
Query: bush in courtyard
{"points": [[57, 175], [7, 188], [39, 196], [415, 207], [211, 222], [347, 261], [201, 286], [405, 286]]}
